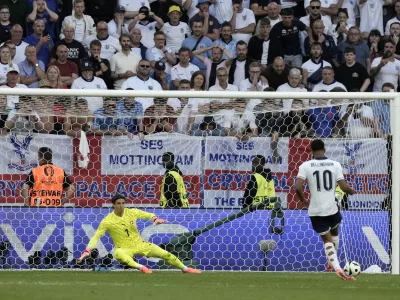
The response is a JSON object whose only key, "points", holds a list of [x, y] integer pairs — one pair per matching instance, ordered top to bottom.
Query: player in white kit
{"points": [[322, 175]]}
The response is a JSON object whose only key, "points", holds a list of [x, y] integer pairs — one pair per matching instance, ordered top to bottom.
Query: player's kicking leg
{"points": [[323, 226], [335, 240], [152, 250], [331, 254], [125, 257]]}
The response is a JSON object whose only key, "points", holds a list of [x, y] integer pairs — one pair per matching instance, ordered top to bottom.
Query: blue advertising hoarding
{"points": [[232, 246]]}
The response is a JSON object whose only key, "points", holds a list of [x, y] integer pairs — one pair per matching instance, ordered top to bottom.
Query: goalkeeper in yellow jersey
{"points": [[121, 225]]}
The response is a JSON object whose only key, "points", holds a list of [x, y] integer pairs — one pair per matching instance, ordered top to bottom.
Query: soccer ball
{"points": [[352, 269]]}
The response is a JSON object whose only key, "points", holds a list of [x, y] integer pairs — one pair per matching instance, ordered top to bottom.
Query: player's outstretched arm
{"points": [[345, 187], [299, 190], [140, 214], [157, 220], [93, 241]]}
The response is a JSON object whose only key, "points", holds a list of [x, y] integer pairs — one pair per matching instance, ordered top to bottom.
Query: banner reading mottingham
{"points": [[18, 153], [228, 153], [122, 156]]}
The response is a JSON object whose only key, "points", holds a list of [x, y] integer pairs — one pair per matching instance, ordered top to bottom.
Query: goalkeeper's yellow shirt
{"points": [[122, 230]]}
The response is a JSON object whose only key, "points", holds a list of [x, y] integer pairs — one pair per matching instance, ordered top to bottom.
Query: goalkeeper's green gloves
{"points": [[157, 221], [84, 255]]}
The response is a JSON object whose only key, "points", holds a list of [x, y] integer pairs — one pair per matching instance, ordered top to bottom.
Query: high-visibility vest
{"points": [[47, 186], [265, 189], [181, 190], [339, 194]]}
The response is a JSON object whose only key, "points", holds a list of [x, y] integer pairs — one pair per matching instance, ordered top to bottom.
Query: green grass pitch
{"points": [[58, 285]]}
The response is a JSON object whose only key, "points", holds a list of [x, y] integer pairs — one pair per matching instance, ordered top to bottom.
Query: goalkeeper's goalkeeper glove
{"points": [[157, 221], [84, 255]]}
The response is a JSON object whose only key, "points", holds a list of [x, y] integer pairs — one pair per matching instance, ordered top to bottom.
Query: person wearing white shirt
{"points": [[132, 7], [191, 7], [328, 7], [222, 9], [315, 14], [371, 15], [273, 16], [393, 20], [243, 22], [148, 23], [83, 24], [117, 26], [175, 30], [340, 30], [16, 37], [109, 44], [161, 52], [6, 63], [122, 63], [184, 69], [386, 69], [142, 81], [328, 81], [12, 82], [90, 82], [253, 83], [222, 84], [293, 85], [179, 103], [221, 105], [359, 119], [237, 121]]}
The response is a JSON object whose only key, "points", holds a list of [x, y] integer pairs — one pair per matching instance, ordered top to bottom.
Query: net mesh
{"points": [[110, 145]]}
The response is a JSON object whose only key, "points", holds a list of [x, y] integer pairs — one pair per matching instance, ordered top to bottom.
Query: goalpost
{"points": [[214, 234]]}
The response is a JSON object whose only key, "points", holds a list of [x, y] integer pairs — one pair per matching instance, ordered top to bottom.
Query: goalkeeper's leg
{"points": [[155, 251], [125, 257]]}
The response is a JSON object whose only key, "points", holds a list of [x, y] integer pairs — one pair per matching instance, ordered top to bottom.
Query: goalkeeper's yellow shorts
{"points": [[146, 249]]}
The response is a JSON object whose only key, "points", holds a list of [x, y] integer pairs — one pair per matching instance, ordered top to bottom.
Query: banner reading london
{"points": [[228, 168]]}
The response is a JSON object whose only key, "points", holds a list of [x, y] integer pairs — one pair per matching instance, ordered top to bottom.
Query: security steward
{"points": [[45, 184], [261, 184], [260, 188], [173, 190]]}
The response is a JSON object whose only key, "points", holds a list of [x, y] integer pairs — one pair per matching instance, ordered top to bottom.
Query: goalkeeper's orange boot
{"points": [[329, 267], [145, 270], [190, 270], [340, 273]]}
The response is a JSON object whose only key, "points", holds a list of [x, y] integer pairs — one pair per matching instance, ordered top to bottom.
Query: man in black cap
{"points": [[148, 23], [117, 26], [211, 26], [101, 65], [159, 74], [89, 81]]}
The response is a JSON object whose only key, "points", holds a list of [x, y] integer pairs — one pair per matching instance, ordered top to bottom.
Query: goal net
{"points": [[114, 142]]}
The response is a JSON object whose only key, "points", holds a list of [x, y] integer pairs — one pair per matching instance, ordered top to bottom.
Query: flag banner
{"points": [[19, 153], [122, 156], [228, 169]]}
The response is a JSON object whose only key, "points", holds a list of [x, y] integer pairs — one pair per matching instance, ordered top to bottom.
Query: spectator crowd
{"points": [[200, 45]]}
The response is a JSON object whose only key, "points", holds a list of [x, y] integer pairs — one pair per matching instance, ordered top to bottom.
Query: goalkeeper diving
{"points": [[121, 225]]}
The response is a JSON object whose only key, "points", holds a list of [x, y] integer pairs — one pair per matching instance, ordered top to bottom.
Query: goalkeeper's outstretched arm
{"points": [[140, 214], [93, 241]]}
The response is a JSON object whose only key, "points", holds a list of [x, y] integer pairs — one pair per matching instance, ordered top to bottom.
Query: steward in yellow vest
{"points": [[261, 184], [173, 190], [341, 198]]}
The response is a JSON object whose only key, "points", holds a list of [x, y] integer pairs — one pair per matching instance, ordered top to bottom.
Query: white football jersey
{"points": [[321, 174]]}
